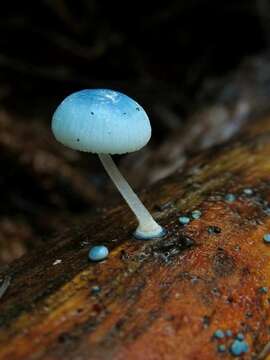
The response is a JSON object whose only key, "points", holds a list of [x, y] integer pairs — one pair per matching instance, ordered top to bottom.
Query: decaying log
{"points": [[226, 105], [58, 185], [159, 299]]}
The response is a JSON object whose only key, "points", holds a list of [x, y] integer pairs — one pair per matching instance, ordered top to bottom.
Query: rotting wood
{"points": [[159, 299]]}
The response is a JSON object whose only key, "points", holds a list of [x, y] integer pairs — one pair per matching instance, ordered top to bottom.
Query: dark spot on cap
{"points": [[137, 108], [92, 113], [124, 113], [78, 140]]}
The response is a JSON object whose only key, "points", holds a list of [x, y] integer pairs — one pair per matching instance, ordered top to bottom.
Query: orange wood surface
{"points": [[158, 299]]}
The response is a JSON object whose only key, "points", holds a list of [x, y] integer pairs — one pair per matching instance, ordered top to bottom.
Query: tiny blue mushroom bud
{"points": [[108, 122], [248, 191], [230, 198], [196, 214], [184, 220], [266, 238], [97, 253], [263, 289], [95, 290], [228, 333], [219, 334], [240, 336], [239, 347], [221, 348]]}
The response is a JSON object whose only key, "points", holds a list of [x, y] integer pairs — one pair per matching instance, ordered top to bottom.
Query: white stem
{"points": [[148, 227]]}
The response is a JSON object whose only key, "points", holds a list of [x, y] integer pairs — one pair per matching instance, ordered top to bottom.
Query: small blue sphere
{"points": [[230, 198], [196, 214], [184, 220], [266, 238], [97, 253], [263, 290], [219, 334], [240, 336], [239, 347], [221, 348]]}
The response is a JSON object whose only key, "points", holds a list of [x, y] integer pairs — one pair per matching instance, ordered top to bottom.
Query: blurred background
{"points": [[201, 69]]}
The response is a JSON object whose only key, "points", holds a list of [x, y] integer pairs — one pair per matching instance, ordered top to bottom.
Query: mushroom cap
{"points": [[101, 121]]}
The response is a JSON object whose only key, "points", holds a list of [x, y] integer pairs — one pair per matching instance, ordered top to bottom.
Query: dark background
{"points": [[156, 53], [187, 62]]}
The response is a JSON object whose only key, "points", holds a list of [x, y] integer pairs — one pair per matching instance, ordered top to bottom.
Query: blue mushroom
{"points": [[108, 122], [230, 198], [196, 214], [184, 220], [266, 238], [97, 253], [263, 290], [219, 334], [240, 336], [239, 347], [221, 348]]}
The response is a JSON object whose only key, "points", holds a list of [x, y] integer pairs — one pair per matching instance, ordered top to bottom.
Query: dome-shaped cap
{"points": [[101, 121]]}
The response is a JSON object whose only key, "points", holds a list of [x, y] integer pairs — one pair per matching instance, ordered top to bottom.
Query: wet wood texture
{"points": [[159, 299]]}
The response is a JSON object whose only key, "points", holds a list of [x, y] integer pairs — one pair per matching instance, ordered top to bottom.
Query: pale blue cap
{"points": [[101, 121]]}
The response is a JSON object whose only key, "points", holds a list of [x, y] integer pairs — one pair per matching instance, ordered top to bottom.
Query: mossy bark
{"points": [[158, 299]]}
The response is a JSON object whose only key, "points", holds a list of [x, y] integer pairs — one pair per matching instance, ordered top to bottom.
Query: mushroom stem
{"points": [[148, 228]]}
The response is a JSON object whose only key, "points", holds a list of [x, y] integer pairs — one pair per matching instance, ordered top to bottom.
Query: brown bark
{"points": [[159, 299]]}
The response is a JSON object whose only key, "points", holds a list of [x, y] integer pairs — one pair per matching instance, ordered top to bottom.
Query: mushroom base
{"points": [[142, 235]]}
